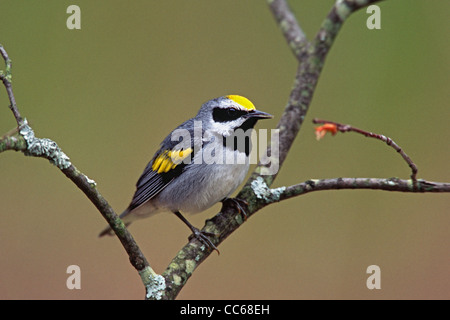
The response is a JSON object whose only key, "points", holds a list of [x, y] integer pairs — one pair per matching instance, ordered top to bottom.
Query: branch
{"points": [[294, 35], [311, 58], [6, 78], [23, 139], [390, 184]]}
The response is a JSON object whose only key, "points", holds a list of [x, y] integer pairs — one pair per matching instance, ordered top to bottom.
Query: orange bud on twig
{"points": [[327, 127], [334, 127]]}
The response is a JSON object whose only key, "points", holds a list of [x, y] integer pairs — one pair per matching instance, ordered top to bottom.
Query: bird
{"points": [[200, 163]]}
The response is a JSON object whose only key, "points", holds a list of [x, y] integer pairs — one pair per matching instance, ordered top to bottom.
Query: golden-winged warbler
{"points": [[202, 162]]}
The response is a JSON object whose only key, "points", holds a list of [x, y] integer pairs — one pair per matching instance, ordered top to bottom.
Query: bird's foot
{"points": [[239, 204], [204, 237]]}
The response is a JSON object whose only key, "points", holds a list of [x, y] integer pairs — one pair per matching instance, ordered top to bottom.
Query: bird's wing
{"points": [[167, 164]]}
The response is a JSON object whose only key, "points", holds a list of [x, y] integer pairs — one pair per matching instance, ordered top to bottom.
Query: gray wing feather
{"points": [[151, 182]]}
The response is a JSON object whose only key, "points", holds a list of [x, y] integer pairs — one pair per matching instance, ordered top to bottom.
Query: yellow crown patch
{"points": [[243, 101]]}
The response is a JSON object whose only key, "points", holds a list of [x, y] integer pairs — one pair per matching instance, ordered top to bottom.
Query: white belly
{"points": [[204, 186]]}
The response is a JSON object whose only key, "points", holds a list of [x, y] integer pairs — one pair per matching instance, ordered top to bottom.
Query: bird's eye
{"points": [[228, 114]]}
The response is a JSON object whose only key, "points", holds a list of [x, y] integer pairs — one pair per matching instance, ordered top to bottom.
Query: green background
{"points": [[110, 92]]}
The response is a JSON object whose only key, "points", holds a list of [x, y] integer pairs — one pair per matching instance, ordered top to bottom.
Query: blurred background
{"points": [[110, 92]]}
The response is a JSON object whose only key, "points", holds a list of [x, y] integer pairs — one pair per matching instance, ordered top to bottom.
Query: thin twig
{"points": [[6, 78], [348, 128], [390, 184], [269, 196]]}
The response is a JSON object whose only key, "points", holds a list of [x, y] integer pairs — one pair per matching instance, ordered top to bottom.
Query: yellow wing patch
{"points": [[243, 101], [169, 159]]}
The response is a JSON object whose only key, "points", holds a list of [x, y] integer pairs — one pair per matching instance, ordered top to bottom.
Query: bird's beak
{"points": [[259, 115]]}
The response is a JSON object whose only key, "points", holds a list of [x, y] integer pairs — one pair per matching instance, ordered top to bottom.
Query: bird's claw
{"points": [[238, 204], [203, 237]]}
